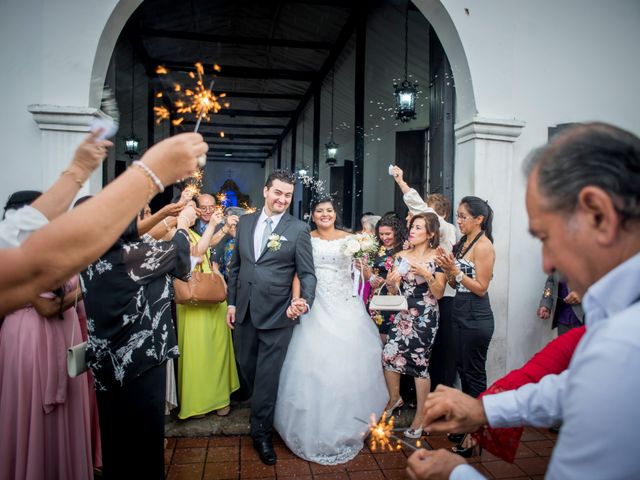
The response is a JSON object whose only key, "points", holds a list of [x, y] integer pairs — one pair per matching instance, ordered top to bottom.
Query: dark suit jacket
{"points": [[263, 285], [549, 300]]}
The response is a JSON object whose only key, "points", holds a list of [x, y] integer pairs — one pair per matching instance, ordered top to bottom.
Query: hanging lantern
{"points": [[405, 93], [131, 145], [331, 148], [331, 151]]}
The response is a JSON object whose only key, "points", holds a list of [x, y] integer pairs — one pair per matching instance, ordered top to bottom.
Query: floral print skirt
{"points": [[409, 342]]}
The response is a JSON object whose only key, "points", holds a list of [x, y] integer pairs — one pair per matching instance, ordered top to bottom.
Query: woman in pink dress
{"points": [[44, 413]]}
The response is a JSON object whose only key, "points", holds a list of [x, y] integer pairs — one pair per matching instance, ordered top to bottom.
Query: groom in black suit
{"points": [[271, 247]]}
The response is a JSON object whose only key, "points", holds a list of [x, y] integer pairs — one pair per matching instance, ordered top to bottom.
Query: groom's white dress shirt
{"points": [[260, 226], [596, 398]]}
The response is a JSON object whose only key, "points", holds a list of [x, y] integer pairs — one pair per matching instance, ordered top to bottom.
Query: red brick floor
{"points": [[233, 457]]}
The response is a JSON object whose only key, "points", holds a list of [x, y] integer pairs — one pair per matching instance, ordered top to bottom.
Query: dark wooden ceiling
{"points": [[274, 55]]}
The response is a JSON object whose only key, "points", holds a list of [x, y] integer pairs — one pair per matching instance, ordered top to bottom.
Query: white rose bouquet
{"points": [[362, 247]]}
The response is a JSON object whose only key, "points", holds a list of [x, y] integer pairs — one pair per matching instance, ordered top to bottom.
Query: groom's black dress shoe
{"points": [[264, 447]]}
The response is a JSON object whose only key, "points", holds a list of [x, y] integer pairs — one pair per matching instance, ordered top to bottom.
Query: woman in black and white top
{"points": [[470, 269], [127, 295]]}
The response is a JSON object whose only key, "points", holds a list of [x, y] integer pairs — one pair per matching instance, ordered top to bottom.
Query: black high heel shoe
{"points": [[456, 437], [466, 452]]}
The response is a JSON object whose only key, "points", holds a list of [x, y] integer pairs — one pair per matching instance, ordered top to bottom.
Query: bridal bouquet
{"points": [[362, 247]]}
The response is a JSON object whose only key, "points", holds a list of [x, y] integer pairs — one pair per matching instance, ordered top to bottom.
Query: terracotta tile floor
{"points": [[233, 457]]}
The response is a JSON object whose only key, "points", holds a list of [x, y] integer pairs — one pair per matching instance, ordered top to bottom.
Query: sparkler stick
{"points": [[203, 110]]}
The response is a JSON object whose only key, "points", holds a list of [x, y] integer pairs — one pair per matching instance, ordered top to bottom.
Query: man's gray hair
{"points": [[591, 154]]}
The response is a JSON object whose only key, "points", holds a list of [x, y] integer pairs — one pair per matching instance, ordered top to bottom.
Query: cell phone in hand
{"points": [[108, 126], [403, 266]]}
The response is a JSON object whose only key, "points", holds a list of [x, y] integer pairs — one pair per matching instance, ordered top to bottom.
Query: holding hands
{"points": [[298, 307]]}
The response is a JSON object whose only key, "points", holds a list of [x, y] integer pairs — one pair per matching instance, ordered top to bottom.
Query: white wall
{"points": [[48, 55], [544, 63]]}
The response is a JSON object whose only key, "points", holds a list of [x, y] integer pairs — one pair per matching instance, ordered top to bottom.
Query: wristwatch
{"points": [[459, 277]]}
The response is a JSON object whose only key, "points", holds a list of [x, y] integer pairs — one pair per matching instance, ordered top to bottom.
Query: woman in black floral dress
{"points": [[391, 234], [127, 297], [408, 347]]}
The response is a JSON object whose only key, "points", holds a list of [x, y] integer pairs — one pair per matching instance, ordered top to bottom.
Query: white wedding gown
{"points": [[332, 374]]}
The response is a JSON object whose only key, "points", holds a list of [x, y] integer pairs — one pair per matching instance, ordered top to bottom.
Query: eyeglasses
{"points": [[208, 208], [462, 217]]}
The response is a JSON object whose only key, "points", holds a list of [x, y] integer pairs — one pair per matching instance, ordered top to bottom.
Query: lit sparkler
{"points": [[196, 100], [194, 183], [222, 198], [248, 208], [381, 433]]}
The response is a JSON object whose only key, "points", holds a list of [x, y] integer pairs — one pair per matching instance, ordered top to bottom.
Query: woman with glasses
{"points": [[469, 270]]}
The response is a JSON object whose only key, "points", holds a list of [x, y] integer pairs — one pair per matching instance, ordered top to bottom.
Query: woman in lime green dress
{"points": [[207, 372]]}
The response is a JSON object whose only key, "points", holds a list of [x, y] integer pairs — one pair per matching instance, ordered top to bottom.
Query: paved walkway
{"points": [[215, 448]]}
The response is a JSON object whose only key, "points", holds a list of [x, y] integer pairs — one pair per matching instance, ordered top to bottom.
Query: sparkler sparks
{"points": [[197, 101], [194, 183], [222, 198], [248, 208], [381, 433]]}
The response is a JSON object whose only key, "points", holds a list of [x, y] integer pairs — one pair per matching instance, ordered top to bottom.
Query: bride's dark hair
{"points": [[324, 199]]}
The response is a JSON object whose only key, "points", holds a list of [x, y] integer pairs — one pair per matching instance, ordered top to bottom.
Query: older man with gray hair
{"points": [[583, 201]]}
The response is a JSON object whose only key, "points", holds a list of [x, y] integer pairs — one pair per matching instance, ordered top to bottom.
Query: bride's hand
{"points": [[298, 307]]}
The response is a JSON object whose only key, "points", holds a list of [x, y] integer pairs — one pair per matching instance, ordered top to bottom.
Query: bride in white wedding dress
{"points": [[332, 374]]}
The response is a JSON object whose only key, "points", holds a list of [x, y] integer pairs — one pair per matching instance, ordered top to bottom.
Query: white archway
{"points": [[437, 15], [112, 29]]}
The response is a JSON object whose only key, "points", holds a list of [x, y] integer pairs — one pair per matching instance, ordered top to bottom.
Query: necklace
{"points": [[467, 245]]}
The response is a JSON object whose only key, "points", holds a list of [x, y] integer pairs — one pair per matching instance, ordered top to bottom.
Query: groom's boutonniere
{"points": [[275, 242]]}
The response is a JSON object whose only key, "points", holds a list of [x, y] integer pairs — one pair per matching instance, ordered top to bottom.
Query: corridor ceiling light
{"points": [[405, 93], [132, 143], [331, 148]]}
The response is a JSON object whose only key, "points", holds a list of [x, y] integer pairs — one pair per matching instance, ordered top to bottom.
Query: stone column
{"points": [[63, 129], [484, 161]]}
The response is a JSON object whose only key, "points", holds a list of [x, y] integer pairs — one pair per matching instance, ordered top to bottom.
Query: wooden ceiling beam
{"points": [[235, 39], [236, 71], [316, 85], [266, 96], [256, 126], [243, 136], [238, 144], [235, 160]]}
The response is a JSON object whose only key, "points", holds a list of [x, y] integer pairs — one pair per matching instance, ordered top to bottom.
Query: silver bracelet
{"points": [[150, 174]]}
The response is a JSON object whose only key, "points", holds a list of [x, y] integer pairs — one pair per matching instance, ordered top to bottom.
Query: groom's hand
{"points": [[298, 307], [231, 317]]}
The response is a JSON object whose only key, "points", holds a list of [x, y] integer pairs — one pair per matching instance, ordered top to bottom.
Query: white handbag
{"points": [[388, 303], [76, 354]]}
